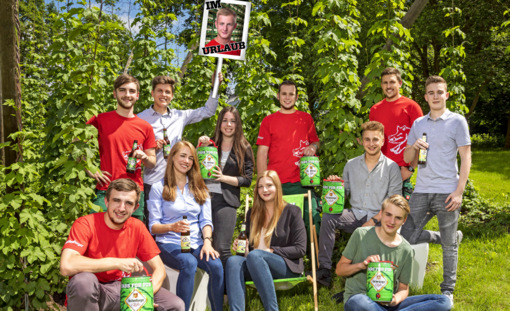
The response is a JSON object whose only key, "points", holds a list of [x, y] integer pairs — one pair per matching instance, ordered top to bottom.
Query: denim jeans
{"points": [[423, 207], [187, 264], [260, 266], [361, 302]]}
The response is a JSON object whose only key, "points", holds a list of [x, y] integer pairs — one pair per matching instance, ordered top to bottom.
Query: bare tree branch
{"points": [[407, 21], [187, 60]]}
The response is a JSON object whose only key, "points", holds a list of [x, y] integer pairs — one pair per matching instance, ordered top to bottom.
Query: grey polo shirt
{"points": [[174, 121], [444, 136], [367, 190]]}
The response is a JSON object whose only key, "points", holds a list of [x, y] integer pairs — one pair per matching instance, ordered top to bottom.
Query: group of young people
{"points": [[104, 247]]}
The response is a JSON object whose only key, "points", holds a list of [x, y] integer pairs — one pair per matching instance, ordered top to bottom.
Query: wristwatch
{"points": [[411, 169], [376, 222], [208, 238]]}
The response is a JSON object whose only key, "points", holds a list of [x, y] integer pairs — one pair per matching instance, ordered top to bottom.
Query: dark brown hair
{"points": [[391, 71], [125, 78], [435, 79], [163, 80], [287, 82], [240, 144], [124, 185]]}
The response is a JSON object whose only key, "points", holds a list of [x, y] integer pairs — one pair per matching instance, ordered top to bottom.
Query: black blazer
{"points": [[232, 194], [289, 238]]}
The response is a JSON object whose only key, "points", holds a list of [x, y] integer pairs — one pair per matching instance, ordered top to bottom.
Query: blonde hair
{"points": [[372, 126], [195, 182], [399, 201], [258, 211]]}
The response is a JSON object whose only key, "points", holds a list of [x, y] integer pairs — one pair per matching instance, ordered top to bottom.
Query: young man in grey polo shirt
{"points": [[172, 121], [368, 180], [439, 187]]}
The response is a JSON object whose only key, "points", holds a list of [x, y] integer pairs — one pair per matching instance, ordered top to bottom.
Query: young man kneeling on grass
{"points": [[383, 243], [102, 248]]}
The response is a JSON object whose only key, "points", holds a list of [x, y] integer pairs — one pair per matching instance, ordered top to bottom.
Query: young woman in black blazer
{"points": [[235, 158], [277, 243]]}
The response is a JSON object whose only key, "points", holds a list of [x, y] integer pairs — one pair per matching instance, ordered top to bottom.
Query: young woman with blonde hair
{"points": [[182, 192], [277, 240]]}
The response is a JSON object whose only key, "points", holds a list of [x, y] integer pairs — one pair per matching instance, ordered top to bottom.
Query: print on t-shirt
{"points": [[399, 139], [298, 152]]}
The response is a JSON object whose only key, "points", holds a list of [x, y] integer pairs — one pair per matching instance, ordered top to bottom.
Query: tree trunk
{"points": [[407, 21], [186, 61], [10, 78], [477, 96]]}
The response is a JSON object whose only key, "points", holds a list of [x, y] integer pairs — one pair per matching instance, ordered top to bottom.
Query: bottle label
{"points": [[166, 149], [422, 157], [209, 162], [131, 165], [185, 242], [241, 246]]}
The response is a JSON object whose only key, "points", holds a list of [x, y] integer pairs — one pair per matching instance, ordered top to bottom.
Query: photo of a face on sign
{"points": [[225, 29]]}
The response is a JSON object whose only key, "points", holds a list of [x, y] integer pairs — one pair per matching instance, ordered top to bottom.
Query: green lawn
{"points": [[490, 173], [483, 275]]}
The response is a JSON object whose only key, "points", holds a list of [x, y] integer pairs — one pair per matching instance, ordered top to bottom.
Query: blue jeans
{"points": [[423, 207], [187, 264], [260, 266], [361, 302]]}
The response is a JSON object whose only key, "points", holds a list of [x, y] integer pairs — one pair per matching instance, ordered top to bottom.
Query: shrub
{"points": [[487, 140], [482, 215]]}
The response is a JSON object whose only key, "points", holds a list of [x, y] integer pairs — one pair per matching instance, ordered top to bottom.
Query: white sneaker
{"points": [[449, 295]]}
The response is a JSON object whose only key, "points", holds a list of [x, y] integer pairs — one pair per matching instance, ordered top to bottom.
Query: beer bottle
{"points": [[166, 146], [422, 157], [131, 163], [185, 239], [242, 242]]}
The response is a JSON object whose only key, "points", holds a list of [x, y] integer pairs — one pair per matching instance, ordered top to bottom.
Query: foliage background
{"points": [[71, 52]]}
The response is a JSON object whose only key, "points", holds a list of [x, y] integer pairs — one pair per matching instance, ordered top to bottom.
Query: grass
{"points": [[491, 174], [483, 271]]}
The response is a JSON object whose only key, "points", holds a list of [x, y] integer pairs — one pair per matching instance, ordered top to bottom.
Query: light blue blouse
{"points": [[167, 212]]}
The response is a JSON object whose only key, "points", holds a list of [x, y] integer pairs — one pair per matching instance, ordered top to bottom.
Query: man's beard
{"points": [[120, 103]]}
